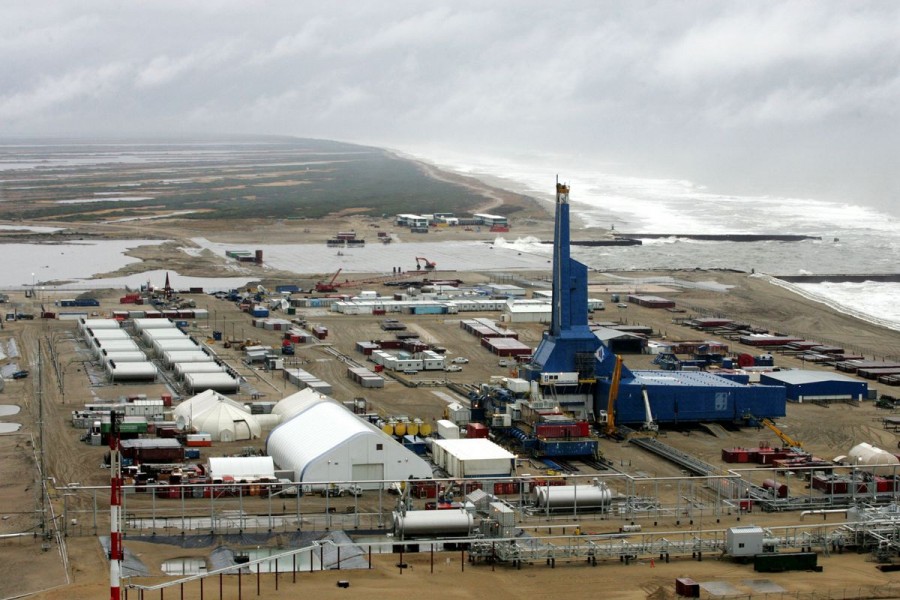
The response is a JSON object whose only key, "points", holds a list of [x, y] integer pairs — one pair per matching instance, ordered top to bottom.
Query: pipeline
{"points": [[822, 511]]}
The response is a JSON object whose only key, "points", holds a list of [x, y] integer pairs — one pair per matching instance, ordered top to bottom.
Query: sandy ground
{"points": [[31, 563]]}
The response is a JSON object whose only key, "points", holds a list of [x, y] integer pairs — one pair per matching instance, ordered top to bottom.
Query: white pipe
{"points": [[822, 511]]}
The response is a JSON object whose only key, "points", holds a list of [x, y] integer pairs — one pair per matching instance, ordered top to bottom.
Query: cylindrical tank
{"points": [[388, 427], [413, 428], [400, 429], [425, 429], [781, 489], [563, 497], [422, 523]]}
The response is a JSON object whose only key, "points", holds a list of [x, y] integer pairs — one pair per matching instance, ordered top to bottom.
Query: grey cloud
{"points": [[768, 95]]}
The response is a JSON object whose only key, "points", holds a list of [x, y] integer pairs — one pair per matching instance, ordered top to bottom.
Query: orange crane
{"points": [[429, 265], [329, 286]]}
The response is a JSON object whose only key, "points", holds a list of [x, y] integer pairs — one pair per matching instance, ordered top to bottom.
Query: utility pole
{"points": [[41, 473], [116, 547]]}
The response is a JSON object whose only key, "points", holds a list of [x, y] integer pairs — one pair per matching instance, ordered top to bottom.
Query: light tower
{"points": [[116, 548]]}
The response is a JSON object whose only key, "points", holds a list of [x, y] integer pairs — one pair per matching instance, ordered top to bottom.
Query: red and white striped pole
{"points": [[116, 549]]}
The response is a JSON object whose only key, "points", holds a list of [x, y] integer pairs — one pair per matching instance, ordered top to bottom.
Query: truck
{"points": [[341, 490]]}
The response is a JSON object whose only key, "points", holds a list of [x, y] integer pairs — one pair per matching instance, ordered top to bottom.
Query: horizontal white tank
{"points": [[97, 324], [142, 324], [107, 334], [149, 335], [184, 344], [107, 346], [123, 356], [171, 357], [182, 369], [134, 371], [219, 382], [867, 456], [562, 497], [433, 523]]}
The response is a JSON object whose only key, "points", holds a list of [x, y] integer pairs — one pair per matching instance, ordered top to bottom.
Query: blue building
{"points": [[802, 385]]}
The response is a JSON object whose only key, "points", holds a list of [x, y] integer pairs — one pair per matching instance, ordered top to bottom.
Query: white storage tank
{"points": [[140, 324], [169, 333], [184, 344], [105, 346], [124, 356], [172, 357], [182, 369], [131, 371], [219, 382], [569, 497], [433, 523]]}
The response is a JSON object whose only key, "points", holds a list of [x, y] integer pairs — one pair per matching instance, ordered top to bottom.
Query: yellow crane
{"points": [[613, 395], [785, 438]]}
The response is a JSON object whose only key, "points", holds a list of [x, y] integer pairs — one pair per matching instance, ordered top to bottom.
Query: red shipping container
{"points": [[476, 430]]}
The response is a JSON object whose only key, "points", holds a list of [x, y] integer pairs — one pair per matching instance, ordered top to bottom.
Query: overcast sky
{"points": [[795, 98]]}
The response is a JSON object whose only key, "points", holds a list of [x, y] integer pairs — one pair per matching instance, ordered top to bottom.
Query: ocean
{"points": [[854, 239]]}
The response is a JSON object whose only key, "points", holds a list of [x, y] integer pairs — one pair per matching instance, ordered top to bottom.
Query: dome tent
{"points": [[186, 413], [225, 423], [867, 456]]}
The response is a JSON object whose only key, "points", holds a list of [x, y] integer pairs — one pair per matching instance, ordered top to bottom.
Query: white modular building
{"points": [[527, 311], [160, 347], [325, 443], [473, 457], [241, 468]]}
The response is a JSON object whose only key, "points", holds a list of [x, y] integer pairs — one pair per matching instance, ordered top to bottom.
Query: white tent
{"points": [[297, 402], [186, 412], [225, 423], [327, 443], [873, 459]]}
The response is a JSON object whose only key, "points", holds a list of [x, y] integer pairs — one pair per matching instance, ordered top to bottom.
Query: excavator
{"points": [[428, 265]]}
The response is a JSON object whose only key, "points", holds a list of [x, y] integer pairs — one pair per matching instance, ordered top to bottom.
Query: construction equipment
{"points": [[422, 261], [328, 286], [613, 395], [649, 424], [787, 440]]}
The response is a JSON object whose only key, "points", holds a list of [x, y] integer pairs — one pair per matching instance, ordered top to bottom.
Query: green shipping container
{"points": [[785, 561]]}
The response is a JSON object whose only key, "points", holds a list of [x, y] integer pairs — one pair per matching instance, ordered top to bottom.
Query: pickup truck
{"points": [[453, 368]]}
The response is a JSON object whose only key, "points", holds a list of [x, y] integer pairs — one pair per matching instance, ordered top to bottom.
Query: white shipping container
{"points": [[447, 430]]}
